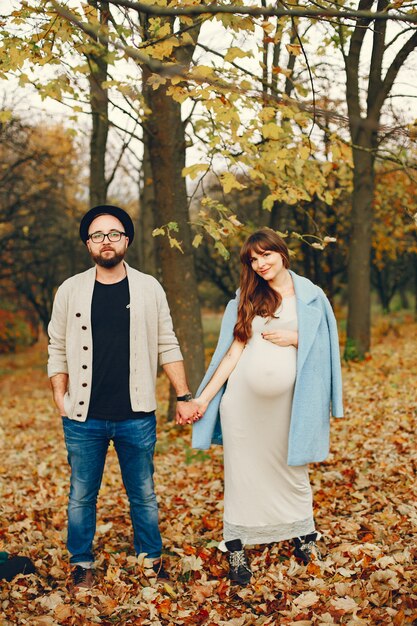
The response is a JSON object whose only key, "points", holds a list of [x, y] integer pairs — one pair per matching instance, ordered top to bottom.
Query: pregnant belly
{"points": [[266, 369]]}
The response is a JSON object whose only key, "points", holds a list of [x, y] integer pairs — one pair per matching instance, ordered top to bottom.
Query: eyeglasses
{"points": [[113, 236]]}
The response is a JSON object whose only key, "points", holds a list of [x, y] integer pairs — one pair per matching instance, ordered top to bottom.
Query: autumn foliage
{"points": [[15, 331], [365, 506]]}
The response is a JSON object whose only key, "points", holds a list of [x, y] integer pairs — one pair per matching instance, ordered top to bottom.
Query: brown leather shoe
{"points": [[160, 571], [82, 578]]}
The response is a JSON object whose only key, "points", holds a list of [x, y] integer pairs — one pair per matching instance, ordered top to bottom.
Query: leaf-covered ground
{"points": [[365, 498]]}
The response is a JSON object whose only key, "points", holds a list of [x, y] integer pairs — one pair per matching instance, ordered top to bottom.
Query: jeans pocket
{"points": [[74, 431]]}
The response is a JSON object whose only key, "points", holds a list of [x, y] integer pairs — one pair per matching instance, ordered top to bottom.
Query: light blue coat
{"points": [[318, 386]]}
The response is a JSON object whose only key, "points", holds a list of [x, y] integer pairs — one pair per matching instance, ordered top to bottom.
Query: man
{"points": [[109, 327]]}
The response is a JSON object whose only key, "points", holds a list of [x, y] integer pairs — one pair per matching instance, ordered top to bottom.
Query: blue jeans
{"points": [[87, 444]]}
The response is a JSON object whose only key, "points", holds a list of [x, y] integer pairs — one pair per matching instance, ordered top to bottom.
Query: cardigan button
{"points": [[78, 315], [84, 327], [85, 347], [84, 367], [84, 385], [81, 402], [79, 414]]}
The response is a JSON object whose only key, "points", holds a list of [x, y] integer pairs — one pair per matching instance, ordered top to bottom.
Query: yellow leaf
{"points": [[90, 12], [185, 19], [268, 27], [164, 30], [187, 40], [163, 49], [294, 49], [236, 53], [203, 71], [23, 79], [155, 81], [179, 94], [267, 114], [5, 116], [271, 131], [336, 152], [194, 170], [229, 182], [328, 197], [268, 202], [197, 240], [174, 243], [222, 249], [170, 590]]}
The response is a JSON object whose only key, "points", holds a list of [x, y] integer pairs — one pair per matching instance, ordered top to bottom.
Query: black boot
{"points": [[306, 547], [11, 567], [239, 568]]}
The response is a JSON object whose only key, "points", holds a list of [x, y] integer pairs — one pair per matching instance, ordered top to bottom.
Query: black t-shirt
{"points": [[110, 320]]}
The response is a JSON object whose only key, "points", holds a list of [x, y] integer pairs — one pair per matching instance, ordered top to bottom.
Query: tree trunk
{"points": [[99, 109], [364, 135], [167, 157], [281, 215], [146, 243], [359, 262], [415, 285], [382, 289], [405, 302]]}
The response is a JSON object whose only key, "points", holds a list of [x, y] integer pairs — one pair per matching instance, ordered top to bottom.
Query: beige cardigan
{"points": [[71, 344]]}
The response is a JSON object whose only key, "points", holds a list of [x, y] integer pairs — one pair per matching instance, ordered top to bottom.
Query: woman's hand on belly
{"points": [[282, 337]]}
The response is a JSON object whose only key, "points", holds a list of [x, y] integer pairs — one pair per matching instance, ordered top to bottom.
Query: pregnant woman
{"points": [[273, 379]]}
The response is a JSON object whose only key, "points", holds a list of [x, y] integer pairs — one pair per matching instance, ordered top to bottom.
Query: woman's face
{"points": [[267, 264]]}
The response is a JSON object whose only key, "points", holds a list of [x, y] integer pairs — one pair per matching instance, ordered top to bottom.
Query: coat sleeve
{"points": [[57, 330], [336, 369], [207, 430]]}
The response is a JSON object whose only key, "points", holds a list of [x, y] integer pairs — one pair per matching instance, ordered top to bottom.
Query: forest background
{"points": [[205, 122]]}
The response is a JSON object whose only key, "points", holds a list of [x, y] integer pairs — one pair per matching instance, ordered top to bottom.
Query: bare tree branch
{"points": [[216, 9], [94, 32], [395, 67]]}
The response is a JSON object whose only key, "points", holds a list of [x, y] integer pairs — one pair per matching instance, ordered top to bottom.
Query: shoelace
{"points": [[238, 558]]}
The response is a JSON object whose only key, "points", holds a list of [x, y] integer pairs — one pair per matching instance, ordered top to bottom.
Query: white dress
{"points": [[265, 500]]}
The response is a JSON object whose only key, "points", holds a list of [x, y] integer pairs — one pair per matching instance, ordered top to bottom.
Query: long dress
{"points": [[265, 499]]}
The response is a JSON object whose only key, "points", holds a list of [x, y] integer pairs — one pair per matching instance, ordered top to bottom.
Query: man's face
{"points": [[107, 253]]}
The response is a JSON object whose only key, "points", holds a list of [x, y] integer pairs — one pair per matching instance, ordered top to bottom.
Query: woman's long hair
{"points": [[256, 296]]}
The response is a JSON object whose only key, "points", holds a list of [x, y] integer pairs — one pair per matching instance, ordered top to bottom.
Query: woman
{"points": [[278, 351]]}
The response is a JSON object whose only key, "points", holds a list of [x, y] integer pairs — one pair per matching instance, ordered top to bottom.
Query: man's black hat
{"points": [[107, 209]]}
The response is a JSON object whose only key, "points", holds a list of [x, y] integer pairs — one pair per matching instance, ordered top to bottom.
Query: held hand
{"points": [[282, 337], [202, 405], [187, 413]]}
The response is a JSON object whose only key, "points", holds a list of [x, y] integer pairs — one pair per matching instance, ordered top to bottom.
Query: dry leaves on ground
{"points": [[365, 502]]}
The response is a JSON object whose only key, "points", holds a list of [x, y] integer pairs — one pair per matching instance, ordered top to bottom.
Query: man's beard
{"points": [[109, 261]]}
